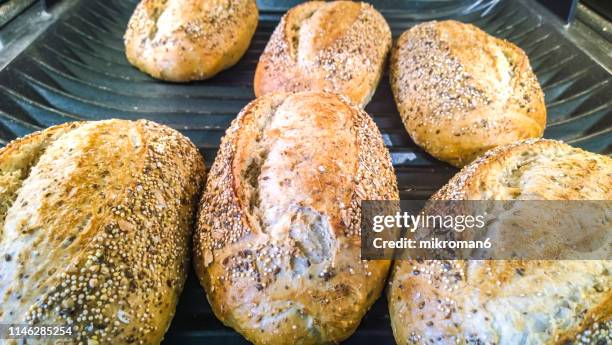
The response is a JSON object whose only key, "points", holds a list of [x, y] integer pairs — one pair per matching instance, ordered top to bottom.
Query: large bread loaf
{"points": [[461, 92], [95, 227], [278, 240], [511, 302]]}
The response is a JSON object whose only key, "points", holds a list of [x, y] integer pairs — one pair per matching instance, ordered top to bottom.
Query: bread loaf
{"points": [[184, 40], [337, 46], [461, 91], [96, 223], [277, 246], [511, 302]]}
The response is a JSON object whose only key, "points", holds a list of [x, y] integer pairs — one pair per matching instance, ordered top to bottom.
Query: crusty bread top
{"points": [[182, 40], [337, 46], [449, 67], [461, 91], [332, 124], [539, 169], [96, 230], [277, 246], [506, 302]]}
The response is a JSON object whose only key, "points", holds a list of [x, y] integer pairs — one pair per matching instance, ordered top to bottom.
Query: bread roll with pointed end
{"points": [[185, 40], [337, 46], [461, 92], [96, 220], [277, 246], [511, 302]]}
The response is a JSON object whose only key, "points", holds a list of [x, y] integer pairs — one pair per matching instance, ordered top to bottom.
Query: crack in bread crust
{"points": [[17, 160]]}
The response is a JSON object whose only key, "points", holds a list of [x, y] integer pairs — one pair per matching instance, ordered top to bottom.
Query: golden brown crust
{"points": [[184, 40], [338, 47], [461, 91], [493, 176], [97, 233], [277, 246], [509, 302]]}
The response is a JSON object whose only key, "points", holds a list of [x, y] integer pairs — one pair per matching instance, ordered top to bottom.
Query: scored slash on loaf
{"points": [[337, 46], [96, 225], [277, 246]]}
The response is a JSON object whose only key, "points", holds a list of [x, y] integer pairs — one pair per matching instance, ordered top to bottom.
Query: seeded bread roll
{"points": [[185, 40], [337, 46], [461, 92], [96, 223], [277, 246], [511, 302]]}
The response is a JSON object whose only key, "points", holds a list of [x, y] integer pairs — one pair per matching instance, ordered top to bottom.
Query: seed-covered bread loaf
{"points": [[184, 40], [337, 46], [461, 92], [95, 224], [277, 246], [511, 302]]}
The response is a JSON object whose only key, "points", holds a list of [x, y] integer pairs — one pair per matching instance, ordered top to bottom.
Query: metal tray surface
{"points": [[76, 70]]}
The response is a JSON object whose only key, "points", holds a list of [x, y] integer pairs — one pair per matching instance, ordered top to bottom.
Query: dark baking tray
{"points": [[77, 71]]}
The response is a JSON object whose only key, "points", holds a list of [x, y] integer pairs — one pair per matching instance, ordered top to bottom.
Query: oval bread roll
{"points": [[185, 40], [337, 46], [461, 92], [96, 223], [277, 246], [511, 302]]}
